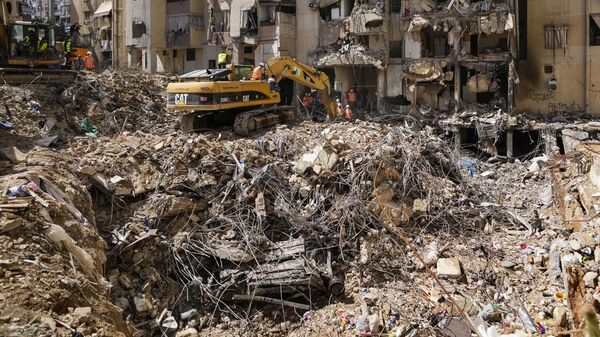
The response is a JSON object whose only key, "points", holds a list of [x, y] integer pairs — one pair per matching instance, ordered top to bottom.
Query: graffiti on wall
{"points": [[539, 96], [564, 107]]}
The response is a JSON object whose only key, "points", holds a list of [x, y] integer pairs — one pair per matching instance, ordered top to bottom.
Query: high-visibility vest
{"points": [[26, 39], [42, 46], [68, 46], [222, 59], [88, 62], [257, 73], [352, 96], [348, 115]]}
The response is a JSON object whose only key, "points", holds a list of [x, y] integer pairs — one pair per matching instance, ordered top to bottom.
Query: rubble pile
{"points": [[121, 101], [107, 103], [293, 212], [132, 228], [52, 258]]}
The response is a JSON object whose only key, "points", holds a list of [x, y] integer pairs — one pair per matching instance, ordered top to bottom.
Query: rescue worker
{"points": [[30, 42], [42, 46], [68, 46], [222, 59], [88, 61], [259, 72], [272, 82], [352, 98], [307, 100], [340, 112], [348, 113]]}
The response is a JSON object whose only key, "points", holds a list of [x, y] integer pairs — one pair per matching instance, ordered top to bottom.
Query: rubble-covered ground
{"points": [[115, 223]]}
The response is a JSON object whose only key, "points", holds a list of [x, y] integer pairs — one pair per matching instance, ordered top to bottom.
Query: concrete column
{"points": [[151, 67], [509, 144]]}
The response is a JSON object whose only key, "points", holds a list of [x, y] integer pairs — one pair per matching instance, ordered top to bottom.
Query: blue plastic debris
{"points": [[4, 125]]}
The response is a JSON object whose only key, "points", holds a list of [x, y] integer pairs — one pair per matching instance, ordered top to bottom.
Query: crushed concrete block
{"points": [[572, 138], [13, 154], [420, 206], [581, 240], [430, 254], [449, 267], [590, 279], [140, 304], [82, 311], [559, 314], [455, 327], [189, 332]]}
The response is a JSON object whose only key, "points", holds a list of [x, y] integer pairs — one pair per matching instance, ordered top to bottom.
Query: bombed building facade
{"points": [[458, 62]]}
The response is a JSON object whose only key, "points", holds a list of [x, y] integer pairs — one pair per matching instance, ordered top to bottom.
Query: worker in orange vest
{"points": [[88, 61], [258, 72], [352, 98], [348, 114]]}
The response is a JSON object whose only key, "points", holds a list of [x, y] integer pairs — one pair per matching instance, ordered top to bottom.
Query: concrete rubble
{"points": [[126, 226]]}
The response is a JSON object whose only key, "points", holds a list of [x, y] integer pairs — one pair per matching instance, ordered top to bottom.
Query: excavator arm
{"points": [[288, 67]]}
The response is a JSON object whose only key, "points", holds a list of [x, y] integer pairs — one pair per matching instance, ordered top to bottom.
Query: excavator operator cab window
{"points": [[24, 39], [242, 72]]}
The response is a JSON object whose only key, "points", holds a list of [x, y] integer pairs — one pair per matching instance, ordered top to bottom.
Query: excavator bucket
{"points": [[16, 76]]}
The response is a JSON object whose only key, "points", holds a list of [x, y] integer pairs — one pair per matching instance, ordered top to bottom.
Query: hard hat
{"points": [[89, 53], [261, 64], [347, 106]]}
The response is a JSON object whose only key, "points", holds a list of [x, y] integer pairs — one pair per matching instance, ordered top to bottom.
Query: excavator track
{"points": [[247, 123]]}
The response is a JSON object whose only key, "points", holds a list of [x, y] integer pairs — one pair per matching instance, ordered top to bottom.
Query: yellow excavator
{"points": [[29, 52], [217, 97]]}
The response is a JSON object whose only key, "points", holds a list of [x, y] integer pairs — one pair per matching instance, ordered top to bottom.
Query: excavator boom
{"points": [[288, 67], [219, 97]]}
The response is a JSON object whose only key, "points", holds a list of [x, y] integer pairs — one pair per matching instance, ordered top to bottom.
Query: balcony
{"points": [[178, 7], [182, 29], [267, 33]]}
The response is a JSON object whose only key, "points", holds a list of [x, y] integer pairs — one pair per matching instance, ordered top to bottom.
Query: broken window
{"points": [[395, 6], [331, 12], [267, 16], [249, 20], [138, 28], [595, 29], [555, 36], [435, 44], [395, 49], [190, 54]]}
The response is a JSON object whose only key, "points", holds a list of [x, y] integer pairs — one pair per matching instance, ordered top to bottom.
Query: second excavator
{"points": [[28, 50], [219, 97]]}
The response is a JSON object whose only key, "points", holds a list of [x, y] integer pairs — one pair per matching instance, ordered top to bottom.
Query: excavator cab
{"points": [[33, 45]]}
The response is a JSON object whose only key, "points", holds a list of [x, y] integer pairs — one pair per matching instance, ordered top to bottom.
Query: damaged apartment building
{"points": [[399, 55], [482, 69]]}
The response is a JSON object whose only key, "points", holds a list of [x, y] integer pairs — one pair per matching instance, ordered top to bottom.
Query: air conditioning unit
{"points": [[553, 84]]}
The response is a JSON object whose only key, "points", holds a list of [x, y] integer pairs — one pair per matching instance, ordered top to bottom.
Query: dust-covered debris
{"points": [[128, 226]]}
